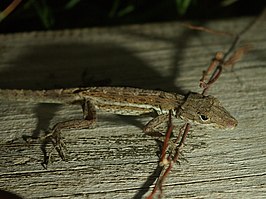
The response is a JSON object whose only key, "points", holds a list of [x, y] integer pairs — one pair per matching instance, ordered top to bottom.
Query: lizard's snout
{"points": [[232, 123]]}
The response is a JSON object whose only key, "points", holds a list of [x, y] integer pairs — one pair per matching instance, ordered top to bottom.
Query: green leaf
{"points": [[70, 4], [182, 6]]}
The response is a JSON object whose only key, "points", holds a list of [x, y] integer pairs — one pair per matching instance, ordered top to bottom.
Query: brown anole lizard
{"points": [[193, 108]]}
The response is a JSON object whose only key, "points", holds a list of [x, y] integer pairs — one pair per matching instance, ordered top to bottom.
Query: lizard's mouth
{"points": [[230, 124]]}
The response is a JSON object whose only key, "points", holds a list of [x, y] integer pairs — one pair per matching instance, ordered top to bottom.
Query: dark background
{"points": [[50, 14]]}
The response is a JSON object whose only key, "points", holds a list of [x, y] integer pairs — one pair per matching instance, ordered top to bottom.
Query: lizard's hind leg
{"points": [[54, 135]]}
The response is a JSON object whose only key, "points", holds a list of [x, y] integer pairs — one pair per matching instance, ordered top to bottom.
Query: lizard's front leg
{"points": [[152, 128], [54, 136]]}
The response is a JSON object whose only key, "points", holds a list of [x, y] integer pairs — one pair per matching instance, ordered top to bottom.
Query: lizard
{"points": [[194, 108]]}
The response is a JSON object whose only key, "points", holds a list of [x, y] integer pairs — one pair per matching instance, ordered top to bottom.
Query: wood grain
{"points": [[116, 160]]}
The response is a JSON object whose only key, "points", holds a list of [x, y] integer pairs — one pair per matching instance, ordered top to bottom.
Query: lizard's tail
{"points": [[43, 96]]}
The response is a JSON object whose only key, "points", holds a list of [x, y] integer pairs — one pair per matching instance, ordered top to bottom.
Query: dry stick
{"points": [[11, 7], [237, 55], [220, 59], [216, 63], [216, 66], [164, 150], [175, 158], [163, 160], [169, 160]]}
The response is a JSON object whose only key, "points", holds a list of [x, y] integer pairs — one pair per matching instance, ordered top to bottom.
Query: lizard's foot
{"points": [[58, 145]]}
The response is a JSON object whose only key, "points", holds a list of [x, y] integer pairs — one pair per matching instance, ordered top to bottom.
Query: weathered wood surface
{"points": [[116, 160]]}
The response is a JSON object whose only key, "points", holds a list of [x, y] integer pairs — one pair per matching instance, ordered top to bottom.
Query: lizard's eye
{"points": [[204, 118]]}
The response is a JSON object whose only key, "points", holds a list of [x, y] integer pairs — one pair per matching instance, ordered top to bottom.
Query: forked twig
{"points": [[220, 60], [216, 67], [172, 157], [163, 161]]}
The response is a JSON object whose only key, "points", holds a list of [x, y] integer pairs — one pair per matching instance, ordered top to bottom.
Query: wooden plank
{"points": [[116, 160]]}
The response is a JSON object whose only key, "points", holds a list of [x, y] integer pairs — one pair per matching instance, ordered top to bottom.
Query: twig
{"points": [[9, 9], [218, 63], [171, 158]]}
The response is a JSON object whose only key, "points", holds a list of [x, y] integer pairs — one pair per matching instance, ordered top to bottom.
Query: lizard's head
{"points": [[206, 110]]}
